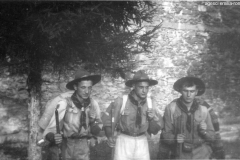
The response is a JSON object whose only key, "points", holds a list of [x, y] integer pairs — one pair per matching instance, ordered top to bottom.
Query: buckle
{"points": [[134, 134]]}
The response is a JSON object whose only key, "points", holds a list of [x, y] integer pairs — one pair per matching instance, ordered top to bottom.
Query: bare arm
{"points": [[111, 117]]}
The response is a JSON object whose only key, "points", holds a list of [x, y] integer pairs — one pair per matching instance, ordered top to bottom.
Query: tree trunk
{"points": [[34, 151]]}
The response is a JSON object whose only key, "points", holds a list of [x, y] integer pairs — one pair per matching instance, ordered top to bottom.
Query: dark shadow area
{"points": [[219, 67], [12, 151], [100, 152]]}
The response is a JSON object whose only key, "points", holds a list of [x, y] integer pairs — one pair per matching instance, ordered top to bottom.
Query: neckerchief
{"points": [[82, 106], [139, 108], [190, 112]]}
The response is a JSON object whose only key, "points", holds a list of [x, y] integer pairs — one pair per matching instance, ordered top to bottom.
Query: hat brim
{"points": [[94, 78], [151, 82], [201, 86]]}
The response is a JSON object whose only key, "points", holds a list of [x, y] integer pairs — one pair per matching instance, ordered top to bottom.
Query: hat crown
{"points": [[81, 74], [140, 75], [197, 81]]}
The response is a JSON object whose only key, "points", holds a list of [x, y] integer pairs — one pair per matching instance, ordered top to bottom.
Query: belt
{"points": [[133, 134], [82, 137]]}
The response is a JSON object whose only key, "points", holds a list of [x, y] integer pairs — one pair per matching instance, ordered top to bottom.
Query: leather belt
{"points": [[133, 134], [82, 137]]}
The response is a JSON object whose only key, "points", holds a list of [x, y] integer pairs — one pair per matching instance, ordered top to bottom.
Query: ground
{"points": [[230, 133]]}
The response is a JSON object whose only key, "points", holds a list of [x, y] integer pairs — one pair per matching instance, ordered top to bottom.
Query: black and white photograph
{"points": [[119, 80]]}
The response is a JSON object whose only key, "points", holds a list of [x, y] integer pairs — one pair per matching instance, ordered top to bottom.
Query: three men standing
{"points": [[186, 124]]}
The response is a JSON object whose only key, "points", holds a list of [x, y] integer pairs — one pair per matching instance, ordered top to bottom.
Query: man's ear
{"points": [[75, 86], [134, 86], [196, 91]]}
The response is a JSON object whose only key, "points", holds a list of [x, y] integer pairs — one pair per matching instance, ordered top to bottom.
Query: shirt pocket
{"points": [[71, 113], [126, 114], [125, 118]]}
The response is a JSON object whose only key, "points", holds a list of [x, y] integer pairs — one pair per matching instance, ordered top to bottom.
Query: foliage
{"points": [[102, 35], [37, 36], [219, 47], [221, 63]]}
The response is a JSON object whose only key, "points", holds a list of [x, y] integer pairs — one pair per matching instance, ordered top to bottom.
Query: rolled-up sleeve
{"points": [[97, 110], [107, 116], [111, 116], [168, 130], [210, 135]]}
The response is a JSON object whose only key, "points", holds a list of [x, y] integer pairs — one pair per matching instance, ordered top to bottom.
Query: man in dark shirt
{"points": [[188, 127]]}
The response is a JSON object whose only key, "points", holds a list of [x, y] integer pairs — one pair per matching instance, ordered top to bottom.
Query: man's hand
{"points": [[150, 114], [203, 125], [202, 128], [58, 138], [180, 138], [92, 142], [111, 142]]}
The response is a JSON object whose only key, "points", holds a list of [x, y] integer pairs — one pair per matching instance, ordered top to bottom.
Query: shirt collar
{"points": [[79, 104]]}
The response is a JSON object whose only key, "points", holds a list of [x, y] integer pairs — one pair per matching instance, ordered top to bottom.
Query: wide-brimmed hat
{"points": [[80, 75], [140, 76], [200, 84]]}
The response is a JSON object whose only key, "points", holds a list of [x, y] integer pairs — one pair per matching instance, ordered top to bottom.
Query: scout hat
{"points": [[80, 75], [141, 76], [197, 81]]}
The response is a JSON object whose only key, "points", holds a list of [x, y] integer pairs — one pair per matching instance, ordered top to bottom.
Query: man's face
{"points": [[83, 89], [141, 89], [189, 93]]}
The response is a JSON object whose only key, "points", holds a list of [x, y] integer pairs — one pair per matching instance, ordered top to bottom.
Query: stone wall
{"points": [[181, 48]]}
